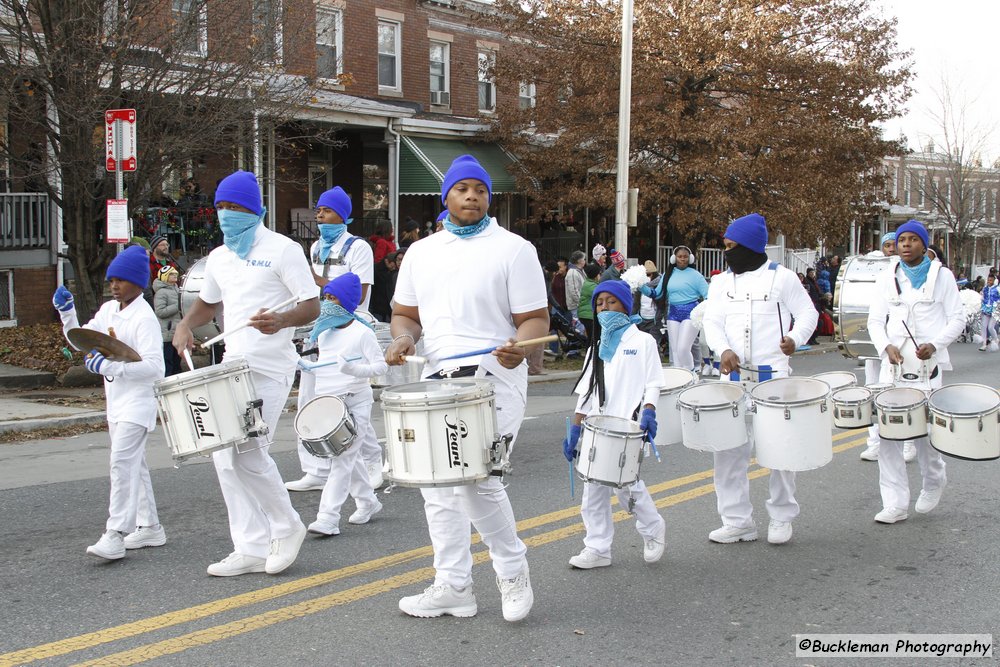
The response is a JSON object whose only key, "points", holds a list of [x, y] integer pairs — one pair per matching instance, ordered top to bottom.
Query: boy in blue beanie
{"points": [[472, 285], [340, 336], [131, 407]]}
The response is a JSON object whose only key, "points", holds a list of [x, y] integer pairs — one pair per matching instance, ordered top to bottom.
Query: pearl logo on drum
{"points": [[197, 408], [454, 431]]}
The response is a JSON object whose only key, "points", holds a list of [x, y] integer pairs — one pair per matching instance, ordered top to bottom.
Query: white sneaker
{"points": [[982, 348], [706, 370], [715, 371], [909, 451], [870, 453], [374, 476], [309, 482], [928, 500], [891, 515], [362, 516], [320, 527], [779, 532], [730, 534], [146, 536], [111, 546], [652, 549], [284, 551], [589, 559], [236, 564], [516, 596], [439, 600]]}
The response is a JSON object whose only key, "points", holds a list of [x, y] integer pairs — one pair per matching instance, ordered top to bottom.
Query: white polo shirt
{"points": [[360, 261], [275, 270], [466, 290]]}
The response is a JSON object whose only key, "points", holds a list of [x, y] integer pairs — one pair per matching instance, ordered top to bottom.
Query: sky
{"points": [[957, 39]]}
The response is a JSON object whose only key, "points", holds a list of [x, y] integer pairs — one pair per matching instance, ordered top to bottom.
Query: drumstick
{"points": [[910, 335], [213, 341], [520, 343], [187, 358], [414, 359], [331, 363], [569, 434]]}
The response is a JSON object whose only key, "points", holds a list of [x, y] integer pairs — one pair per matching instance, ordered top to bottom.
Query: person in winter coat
{"points": [[383, 242], [167, 306]]}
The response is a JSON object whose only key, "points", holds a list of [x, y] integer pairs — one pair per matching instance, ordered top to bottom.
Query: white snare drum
{"points": [[837, 379], [675, 380], [878, 388], [852, 407], [209, 409], [901, 413], [713, 416], [965, 421], [325, 427], [792, 427], [442, 433], [610, 451]]}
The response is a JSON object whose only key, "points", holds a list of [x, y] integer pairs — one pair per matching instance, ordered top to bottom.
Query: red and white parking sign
{"points": [[125, 153]]}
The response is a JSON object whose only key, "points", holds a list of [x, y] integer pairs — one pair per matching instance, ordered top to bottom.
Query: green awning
{"points": [[423, 163]]}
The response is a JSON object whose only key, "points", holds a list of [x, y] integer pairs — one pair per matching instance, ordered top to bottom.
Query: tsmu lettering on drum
{"points": [[197, 408], [454, 431]]}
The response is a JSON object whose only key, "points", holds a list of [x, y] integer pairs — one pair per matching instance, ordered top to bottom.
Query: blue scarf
{"points": [[238, 230], [468, 230], [330, 234], [917, 275], [331, 316], [613, 326]]}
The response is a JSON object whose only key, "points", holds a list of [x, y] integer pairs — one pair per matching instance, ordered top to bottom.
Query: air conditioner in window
{"points": [[440, 97]]}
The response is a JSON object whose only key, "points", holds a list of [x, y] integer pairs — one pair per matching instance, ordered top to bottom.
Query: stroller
{"points": [[572, 336]]}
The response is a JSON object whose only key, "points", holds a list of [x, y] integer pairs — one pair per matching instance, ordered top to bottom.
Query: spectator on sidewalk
{"points": [[167, 306]]}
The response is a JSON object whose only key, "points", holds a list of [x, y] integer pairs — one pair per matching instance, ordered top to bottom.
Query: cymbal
{"points": [[112, 348]]}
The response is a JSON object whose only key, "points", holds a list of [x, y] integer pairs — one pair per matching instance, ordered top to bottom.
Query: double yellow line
{"points": [[843, 441]]}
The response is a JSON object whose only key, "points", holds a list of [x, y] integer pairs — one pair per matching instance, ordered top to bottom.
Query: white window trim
{"points": [[338, 12], [202, 31], [279, 42], [491, 56], [447, 70], [398, 88], [526, 90]]}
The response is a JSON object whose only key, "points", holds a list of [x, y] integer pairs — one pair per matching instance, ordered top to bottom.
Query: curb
{"points": [[52, 422]]}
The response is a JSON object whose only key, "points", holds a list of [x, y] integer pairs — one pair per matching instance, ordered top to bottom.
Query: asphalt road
{"points": [[703, 603]]}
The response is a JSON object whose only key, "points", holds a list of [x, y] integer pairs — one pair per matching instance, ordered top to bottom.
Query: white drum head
{"points": [[676, 378], [837, 379], [437, 390], [790, 390], [711, 395], [852, 395], [900, 398], [965, 399], [320, 417], [611, 425]]}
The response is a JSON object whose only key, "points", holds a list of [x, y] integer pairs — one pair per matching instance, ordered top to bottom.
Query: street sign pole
{"points": [[119, 176]]}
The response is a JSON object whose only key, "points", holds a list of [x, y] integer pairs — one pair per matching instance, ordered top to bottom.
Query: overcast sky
{"points": [[958, 39]]}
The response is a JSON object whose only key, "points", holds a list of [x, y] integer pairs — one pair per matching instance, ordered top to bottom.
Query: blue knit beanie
{"points": [[464, 166], [241, 188], [337, 201], [442, 216], [914, 227], [750, 231], [888, 236], [131, 264], [616, 288], [347, 289]]}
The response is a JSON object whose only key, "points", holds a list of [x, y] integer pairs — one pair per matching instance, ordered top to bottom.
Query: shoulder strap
{"points": [[773, 266]]}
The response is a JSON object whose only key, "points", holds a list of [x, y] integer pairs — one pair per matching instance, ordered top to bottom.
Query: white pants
{"points": [[987, 328], [681, 336], [873, 368], [371, 451], [347, 471], [732, 488], [256, 498], [132, 503], [485, 505], [595, 509]]}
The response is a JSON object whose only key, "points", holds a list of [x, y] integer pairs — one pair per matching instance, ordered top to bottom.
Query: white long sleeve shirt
{"points": [[354, 340], [632, 378]]}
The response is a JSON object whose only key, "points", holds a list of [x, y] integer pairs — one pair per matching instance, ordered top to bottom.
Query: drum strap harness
{"points": [[339, 260], [926, 296], [749, 297]]}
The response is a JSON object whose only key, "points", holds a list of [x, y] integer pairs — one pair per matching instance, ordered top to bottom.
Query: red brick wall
{"points": [[33, 289]]}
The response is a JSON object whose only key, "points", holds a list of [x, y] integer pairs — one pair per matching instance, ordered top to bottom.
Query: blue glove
{"points": [[646, 290], [62, 299], [99, 364], [648, 422], [569, 443]]}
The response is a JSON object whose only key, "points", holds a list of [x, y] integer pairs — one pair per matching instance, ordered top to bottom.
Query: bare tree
{"points": [[203, 77]]}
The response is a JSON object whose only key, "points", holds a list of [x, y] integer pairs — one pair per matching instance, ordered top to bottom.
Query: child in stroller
{"points": [[572, 335]]}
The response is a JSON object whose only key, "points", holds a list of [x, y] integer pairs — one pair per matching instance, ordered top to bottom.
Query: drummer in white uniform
{"points": [[335, 253], [255, 269], [471, 286], [916, 313], [748, 320], [621, 378], [131, 408]]}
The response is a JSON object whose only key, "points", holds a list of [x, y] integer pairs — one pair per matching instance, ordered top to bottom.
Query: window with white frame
{"points": [[190, 26], [267, 29], [329, 42], [389, 48], [440, 72], [487, 87], [526, 95], [922, 187], [906, 189]]}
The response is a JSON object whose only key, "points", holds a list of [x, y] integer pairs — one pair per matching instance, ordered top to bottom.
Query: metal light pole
{"points": [[624, 113]]}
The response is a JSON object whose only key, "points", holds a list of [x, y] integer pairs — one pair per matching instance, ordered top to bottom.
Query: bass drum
{"points": [[190, 288], [855, 289]]}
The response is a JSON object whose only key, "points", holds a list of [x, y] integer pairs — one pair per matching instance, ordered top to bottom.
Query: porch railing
{"points": [[25, 221]]}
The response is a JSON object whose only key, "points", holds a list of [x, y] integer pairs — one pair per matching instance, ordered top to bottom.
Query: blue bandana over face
{"points": [[238, 229], [468, 230], [330, 234], [917, 275], [331, 316], [613, 326]]}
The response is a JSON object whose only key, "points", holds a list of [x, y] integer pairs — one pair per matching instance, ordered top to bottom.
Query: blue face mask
{"points": [[238, 229], [467, 230], [330, 234], [917, 275], [331, 315], [613, 326]]}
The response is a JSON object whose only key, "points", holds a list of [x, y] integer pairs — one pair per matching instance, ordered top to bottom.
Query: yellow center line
{"points": [[201, 611]]}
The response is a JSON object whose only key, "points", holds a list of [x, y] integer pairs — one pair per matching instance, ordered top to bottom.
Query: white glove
{"points": [[304, 365]]}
